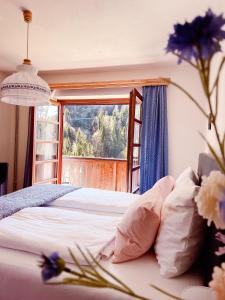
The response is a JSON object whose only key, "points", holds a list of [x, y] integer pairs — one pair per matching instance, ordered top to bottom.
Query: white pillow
{"points": [[187, 176], [181, 230]]}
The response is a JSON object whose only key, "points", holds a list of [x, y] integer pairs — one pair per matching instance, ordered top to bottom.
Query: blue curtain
{"points": [[154, 136]]}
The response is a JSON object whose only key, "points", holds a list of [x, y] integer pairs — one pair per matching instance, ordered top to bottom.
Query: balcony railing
{"points": [[103, 173]]}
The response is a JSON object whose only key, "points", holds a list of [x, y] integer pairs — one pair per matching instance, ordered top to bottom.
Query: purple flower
{"points": [[197, 39], [222, 207], [52, 266]]}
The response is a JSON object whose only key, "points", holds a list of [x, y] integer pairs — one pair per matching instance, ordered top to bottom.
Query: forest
{"points": [[96, 131]]}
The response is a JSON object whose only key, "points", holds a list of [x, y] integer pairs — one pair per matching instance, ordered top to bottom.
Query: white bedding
{"points": [[96, 200], [46, 229]]}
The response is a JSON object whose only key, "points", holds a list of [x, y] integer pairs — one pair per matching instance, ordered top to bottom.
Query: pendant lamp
{"points": [[25, 87]]}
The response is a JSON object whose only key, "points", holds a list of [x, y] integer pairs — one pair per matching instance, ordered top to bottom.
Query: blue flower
{"points": [[197, 39], [222, 206], [52, 266]]}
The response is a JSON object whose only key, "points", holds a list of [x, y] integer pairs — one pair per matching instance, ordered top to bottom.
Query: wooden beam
{"points": [[109, 84], [114, 101]]}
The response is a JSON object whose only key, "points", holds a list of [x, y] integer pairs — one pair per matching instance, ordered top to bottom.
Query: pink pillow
{"points": [[137, 231]]}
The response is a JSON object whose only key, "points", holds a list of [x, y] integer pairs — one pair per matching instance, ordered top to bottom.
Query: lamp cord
{"points": [[27, 39]]}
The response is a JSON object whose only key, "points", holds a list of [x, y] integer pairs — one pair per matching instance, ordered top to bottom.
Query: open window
{"points": [[134, 141], [46, 144], [54, 163]]}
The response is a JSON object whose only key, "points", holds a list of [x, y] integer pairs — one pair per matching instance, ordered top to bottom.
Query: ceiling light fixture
{"points": [[25, 87]]}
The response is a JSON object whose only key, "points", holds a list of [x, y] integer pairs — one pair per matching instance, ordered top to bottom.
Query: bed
{"points": [[20, 275]]}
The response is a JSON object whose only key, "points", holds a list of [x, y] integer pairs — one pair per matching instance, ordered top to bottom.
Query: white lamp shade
{"points": [[25, 88]]}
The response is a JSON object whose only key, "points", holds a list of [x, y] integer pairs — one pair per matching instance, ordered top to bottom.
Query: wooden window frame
{"points": [[135, 97], [114, 101], [36, 141]]}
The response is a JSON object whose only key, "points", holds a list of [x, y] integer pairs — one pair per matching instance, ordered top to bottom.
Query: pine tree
{"points": [[69, 137], [81, 146]]}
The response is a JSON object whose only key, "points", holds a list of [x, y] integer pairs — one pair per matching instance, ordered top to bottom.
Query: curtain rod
{"points": [[109, 84]]}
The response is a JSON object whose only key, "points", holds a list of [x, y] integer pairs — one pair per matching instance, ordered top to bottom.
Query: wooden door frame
{"points": [[60, 146], [34, 161]]}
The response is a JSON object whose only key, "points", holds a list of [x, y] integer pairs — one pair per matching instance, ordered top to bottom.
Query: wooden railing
{"points": [[103, 173]]}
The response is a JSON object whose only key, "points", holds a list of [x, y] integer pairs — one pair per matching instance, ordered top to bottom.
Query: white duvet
{"points": [[46, 229]]}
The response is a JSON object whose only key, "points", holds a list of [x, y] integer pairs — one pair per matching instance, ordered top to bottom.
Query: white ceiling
{"points": [[76, 34]]}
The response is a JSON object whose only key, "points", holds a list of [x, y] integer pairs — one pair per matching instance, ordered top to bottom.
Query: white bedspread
{"points": [[96, 200], [46, 229]]}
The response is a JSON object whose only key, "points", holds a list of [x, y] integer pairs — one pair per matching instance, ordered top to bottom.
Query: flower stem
{"points": [[218, 75], [205, 82], [166, 293]]}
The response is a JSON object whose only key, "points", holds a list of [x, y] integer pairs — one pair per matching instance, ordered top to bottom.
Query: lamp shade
{"points": [[25, 88]]}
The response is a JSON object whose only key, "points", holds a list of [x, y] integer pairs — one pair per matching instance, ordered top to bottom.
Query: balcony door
{"points": [[134, 141], [46, 150], [55, 157]]}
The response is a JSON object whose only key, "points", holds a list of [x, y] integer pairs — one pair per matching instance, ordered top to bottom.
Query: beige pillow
{"points": [[137, 231]]}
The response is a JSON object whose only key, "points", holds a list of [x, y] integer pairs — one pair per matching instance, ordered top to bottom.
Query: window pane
{"points": [[138, 111], [47, 113], [137, 128], [47, 131], [95, 131], [46, 151], [136, 156], [45, 171], [135, 179]]}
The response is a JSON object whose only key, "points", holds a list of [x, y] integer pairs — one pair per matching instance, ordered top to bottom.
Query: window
{"points": [[89, 143], [46, 144], [134, 144]]}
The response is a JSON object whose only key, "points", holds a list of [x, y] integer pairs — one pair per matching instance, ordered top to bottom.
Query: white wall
{"points": [[184, 119], [7, 134], [7, 139]]}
